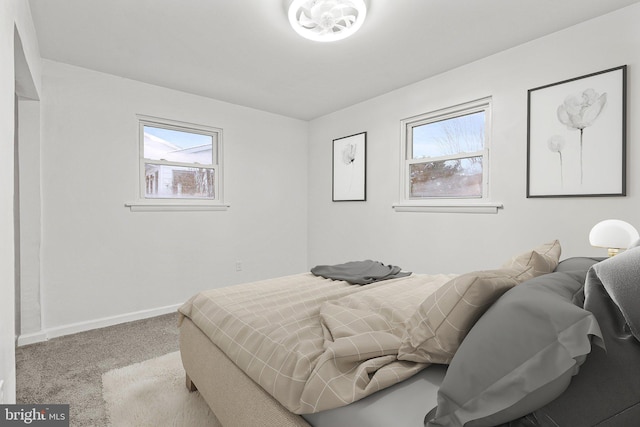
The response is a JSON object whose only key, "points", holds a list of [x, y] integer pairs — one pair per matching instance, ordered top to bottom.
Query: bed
{"points": [[417, 349]]}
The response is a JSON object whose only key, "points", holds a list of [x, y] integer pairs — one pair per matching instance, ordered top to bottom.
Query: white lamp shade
{"points": [[613, 233]]}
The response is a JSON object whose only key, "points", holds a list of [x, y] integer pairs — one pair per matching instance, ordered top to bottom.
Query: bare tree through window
{"points": [[448, 157]]}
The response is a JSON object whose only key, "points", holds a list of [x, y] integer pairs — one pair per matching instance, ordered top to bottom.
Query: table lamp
{"points": [[613, 234]]}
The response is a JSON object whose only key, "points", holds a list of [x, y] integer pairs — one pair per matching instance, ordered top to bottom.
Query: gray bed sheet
{"points": [[402, 405]]}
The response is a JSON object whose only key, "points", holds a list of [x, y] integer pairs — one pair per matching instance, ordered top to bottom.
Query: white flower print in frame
{"points": [[576, 139], [350, 168]]}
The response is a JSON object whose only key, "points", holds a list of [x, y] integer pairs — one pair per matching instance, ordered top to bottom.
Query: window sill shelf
{"points": [[172, 206], [449, 207]]}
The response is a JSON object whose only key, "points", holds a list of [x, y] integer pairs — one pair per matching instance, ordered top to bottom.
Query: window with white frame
{"points": [[445, 155], [179, 162]]}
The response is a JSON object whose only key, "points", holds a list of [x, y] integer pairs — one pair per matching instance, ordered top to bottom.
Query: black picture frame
{"points": [[576, 136], [349, 168]]}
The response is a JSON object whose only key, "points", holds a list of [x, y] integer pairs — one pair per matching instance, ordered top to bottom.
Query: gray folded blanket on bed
{"points": [[360, 272]]}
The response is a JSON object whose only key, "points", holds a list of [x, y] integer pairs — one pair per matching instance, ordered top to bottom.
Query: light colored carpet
{"points": [[69, 369], [153, 393]]}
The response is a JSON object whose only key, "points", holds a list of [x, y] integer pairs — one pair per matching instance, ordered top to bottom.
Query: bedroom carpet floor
{"points": [[69, 369]]}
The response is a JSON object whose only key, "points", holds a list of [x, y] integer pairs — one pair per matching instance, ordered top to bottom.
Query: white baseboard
{"points": [[88, 325], [31, 338]]}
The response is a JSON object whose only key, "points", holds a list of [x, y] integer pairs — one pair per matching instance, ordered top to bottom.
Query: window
{"points": [[445, 156], [180, 164]]}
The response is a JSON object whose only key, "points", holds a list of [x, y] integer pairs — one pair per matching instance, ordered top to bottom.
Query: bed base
{"points": [[234, 398]]}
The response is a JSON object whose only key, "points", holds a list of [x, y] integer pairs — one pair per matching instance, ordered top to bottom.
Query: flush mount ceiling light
{"points": [[327, 20]]}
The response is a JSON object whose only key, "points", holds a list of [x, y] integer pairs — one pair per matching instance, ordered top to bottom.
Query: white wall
{"points": [[15, 18], [30, 216], [431, 242], [102, 261]]}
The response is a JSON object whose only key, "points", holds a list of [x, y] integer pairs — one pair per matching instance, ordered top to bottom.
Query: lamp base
{"points": [[613, 252]]}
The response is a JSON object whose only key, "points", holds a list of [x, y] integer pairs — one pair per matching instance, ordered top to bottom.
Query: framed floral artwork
{"points": [[576, 136], [350, 168]]}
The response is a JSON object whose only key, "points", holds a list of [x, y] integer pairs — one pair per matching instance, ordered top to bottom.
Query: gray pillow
{"points": [[577, 263], [620, 275], [519, 356]]}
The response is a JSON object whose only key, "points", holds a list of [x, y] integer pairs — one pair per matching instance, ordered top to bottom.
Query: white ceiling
{"points": [[245, 52]]}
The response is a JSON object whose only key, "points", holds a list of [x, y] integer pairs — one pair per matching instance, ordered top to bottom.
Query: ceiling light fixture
{"points": [[327, 20]]}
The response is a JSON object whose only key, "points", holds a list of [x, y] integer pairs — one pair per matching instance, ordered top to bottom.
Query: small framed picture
{"points": [[576, 136], [350, 168]]}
